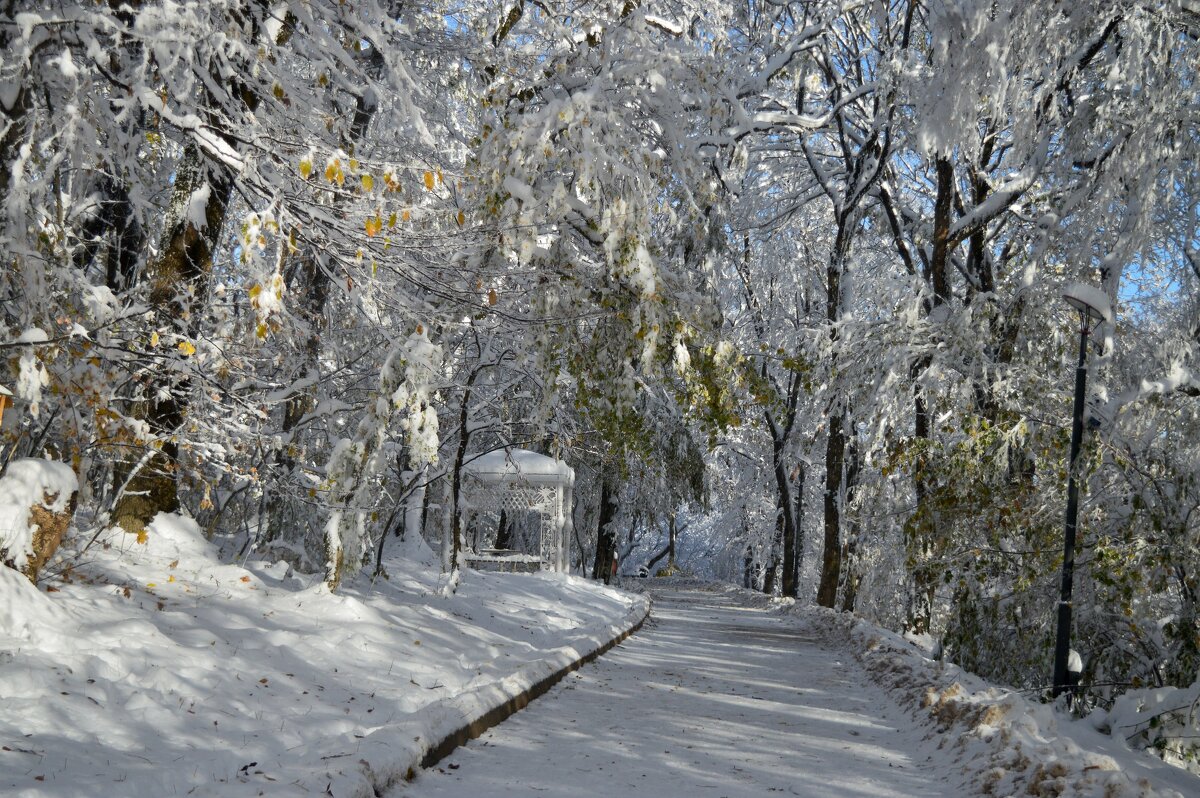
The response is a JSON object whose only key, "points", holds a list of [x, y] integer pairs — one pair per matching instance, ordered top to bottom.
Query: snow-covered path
{"points": [[709, 699]]}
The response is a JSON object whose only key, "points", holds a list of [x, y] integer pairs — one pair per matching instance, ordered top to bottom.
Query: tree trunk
{"points": [[178, 281], [314, 284], [302, 399], [838, 419], [464, 438], [785, 521], [923, 528], [606, 530], [503, 531], [672, 535], [850, 558], [793, 559], [831, 561], [772, 572]]}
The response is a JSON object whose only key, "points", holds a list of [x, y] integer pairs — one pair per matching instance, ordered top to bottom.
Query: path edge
{"points": [[477, 726], [392, 755]]}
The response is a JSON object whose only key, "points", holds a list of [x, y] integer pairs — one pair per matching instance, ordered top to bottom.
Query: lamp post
{"points": [[1092, 305]]}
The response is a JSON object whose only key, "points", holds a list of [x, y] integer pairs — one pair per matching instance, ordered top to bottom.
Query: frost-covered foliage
{"points": [[781, 280]]}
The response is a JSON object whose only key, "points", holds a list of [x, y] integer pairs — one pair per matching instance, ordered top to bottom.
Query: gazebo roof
{"points": [[519, 465]]}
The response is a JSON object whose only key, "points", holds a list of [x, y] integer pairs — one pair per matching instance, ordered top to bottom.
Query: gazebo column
{"points": [[559, 526], [567, 527]]}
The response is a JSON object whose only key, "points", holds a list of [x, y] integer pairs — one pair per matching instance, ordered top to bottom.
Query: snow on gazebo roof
{"points": [[514, 465]]}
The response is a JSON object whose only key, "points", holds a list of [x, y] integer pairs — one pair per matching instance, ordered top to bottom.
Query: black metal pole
{"points": [[1062, 644]]}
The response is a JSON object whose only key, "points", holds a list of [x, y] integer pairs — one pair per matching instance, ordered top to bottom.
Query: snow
{"points": [[667, 25], [66, 64], [196, 205], [1093, 297], [34, 335], [519, 463], [26, 483], [158, 670], [727, 692], [715, 696], [1164, 717], [1000, 742]]}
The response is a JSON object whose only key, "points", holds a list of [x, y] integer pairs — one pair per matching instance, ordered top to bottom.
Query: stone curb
{"points": [[469, 731], [393, 754]]}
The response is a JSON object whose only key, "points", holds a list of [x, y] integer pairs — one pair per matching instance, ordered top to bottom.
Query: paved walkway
{"points": [[708, 699]]}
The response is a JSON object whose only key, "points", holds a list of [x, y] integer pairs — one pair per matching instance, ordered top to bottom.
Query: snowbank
{"points": [[28, 483], [156, 670], [1166, 719], [1003, 743]]}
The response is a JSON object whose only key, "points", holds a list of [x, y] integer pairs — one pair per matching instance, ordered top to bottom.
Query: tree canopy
{"points": [[786, 273]]}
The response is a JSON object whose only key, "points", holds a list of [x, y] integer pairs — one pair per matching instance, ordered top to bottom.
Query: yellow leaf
{"points": [[353, 163], [305, 168], [331, 171], [440, 180], [429, 181], [368, 182], [405, 215], [462, 218], [392, 220], [255, 290], [492, 298], [261, 331], [154, 338], [187, 348], [142, 537], [171, 578], [151, 584]]}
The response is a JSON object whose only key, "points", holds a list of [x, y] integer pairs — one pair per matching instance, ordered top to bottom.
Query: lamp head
{"points": [[1089, 301]]}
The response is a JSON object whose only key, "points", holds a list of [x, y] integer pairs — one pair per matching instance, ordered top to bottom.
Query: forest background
{"points": [[781, 280]]}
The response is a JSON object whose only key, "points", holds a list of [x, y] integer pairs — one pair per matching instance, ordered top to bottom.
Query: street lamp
{"points": [[1092, 305]]}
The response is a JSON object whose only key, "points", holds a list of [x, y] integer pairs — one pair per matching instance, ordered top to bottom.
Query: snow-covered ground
{"points": [[159, 671], [726, 693], [713, 697], [997, 741]]}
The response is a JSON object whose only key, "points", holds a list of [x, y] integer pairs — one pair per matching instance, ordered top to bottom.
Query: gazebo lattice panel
{"points": [[519, 482]]}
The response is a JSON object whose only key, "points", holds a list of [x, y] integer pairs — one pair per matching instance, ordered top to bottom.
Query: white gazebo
{"points": [[519, 481]]}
